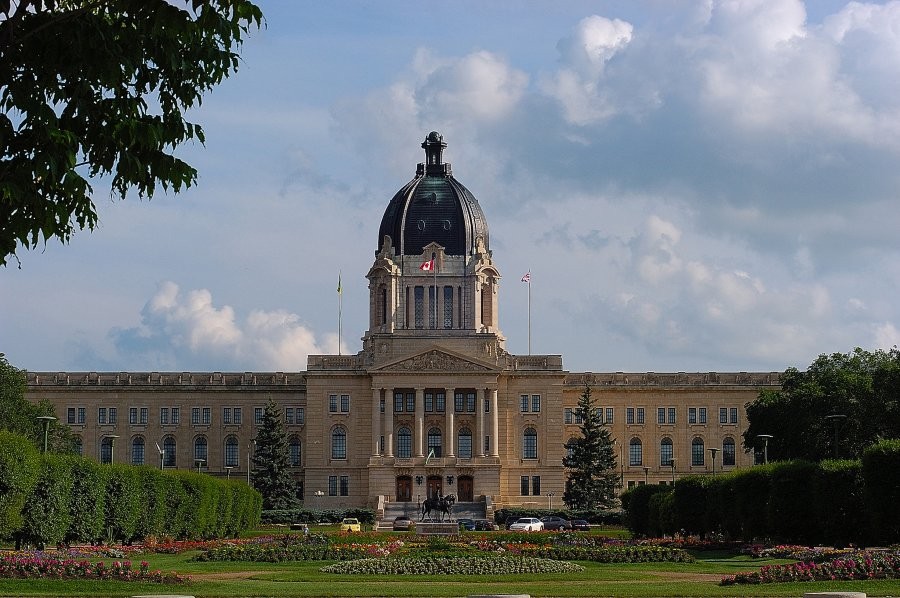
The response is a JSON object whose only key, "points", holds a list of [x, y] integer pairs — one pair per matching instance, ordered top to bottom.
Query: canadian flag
{"points": [[427, 266], [527, 277]]}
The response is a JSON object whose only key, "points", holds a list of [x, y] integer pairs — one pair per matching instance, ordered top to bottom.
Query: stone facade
{"points": [[432, 403]]}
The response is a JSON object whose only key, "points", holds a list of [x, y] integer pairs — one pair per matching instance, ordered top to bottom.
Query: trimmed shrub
{"points": [[18, 474], [881, 475], [837, 492], [751, 499], [88, 501], [124, 502], [691, 504], [636, 507], [45, 513], [661, 517], [155, 518], [790, 518]]}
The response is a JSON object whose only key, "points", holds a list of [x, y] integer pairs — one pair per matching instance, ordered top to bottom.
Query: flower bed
{"points": [[580, 548], [300, 549], [38, 565], [453, 565], [860, 565]]}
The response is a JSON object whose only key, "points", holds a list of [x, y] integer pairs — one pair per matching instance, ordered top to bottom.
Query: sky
{"points": [[694, 186]]}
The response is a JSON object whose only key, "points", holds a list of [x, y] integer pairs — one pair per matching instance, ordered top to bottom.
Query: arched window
{"points": [[434, 442], [339, 443], [404, 443], [464, 443], [529, 444], [79, 446], [570, 447], [106, 449], [137, 450], [294, 450], [169, 451], [231, 451], [728, 451], [201, 452], [635, 452], [665, 452], [697, 452]]}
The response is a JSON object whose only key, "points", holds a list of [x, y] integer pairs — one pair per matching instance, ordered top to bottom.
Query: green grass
{"points": [[643, 580]]}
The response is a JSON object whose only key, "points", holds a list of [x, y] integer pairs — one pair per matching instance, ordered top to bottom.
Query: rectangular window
{"points": [[419, 293], [432, 307], [448, 307], [458, 399], [441, 400], [398, 402], [410, 402], [429, 402], [470, 402], [332, 403], [345, 403], [523, 403], [536, 403], [381, 405], [487, 405], [82, 414], [301, 414], [702, 414], [70, 415], [101, 415], [113, 415], [132, 415], [145, 415], [163, 415], [226, 415], [257, 415], [288, 415], [609, 415], [629, 415], [640, 415], [660, 415], [671, 415], [692, 415], [723, 415], [734, 415], [176, 416], [195, 416], [207, 416], [238, 416], [567, 416], [579, 416], [381, 445], [487, 445], [635, 453], [630, 484], [332, 485], [345, 485], [523, 485], [536, 485]]}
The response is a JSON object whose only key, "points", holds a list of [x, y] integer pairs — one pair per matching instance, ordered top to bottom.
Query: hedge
{"points": [[881, 472]]}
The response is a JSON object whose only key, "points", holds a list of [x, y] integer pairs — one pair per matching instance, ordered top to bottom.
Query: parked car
{"points": [[509, 522], [556, 523], [403, 524], [466, 524], [527, 524], [350, 525], [483, 525], [580, 525]]}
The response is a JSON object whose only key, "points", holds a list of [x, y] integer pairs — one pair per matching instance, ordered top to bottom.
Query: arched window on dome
{"points": [[487, 303]]}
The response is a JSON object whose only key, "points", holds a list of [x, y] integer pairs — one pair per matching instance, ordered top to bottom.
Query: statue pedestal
{"points": [[450, 528]]}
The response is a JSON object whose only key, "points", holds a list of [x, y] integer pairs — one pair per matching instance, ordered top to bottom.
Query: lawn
{"points": [[298, 579]]}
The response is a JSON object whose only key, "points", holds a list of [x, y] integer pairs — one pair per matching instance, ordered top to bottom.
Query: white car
{"points": [[527, 524]]}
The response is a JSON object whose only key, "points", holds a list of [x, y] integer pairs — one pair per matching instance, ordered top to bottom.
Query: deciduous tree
{"points": [[94, 88]]}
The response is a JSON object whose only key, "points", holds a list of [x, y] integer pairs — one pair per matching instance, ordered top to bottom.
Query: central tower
{"points": [[433, 278]]}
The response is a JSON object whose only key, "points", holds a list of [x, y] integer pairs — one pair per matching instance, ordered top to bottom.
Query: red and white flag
{"points": [[427, 266], [527, 277]]}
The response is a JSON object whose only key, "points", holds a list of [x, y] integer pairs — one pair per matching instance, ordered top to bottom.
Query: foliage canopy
{"points": [[92, 88], [591, 477]]}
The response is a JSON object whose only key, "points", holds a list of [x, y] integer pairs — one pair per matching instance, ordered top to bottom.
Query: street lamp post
{"points": [[835, 419], [45, 422], [765, 438], [112, 447], [713, 451], [162, 455], [199, 463], [672, 463], [228, 469], [646, 474], [550, 500]]}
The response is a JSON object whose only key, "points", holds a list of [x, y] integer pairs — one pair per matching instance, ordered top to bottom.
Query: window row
{"points": [[438, 316], [436, 402], [172, 415], [668, 415], [576, 416], [435, 445], [168, 451], [666, 452]]}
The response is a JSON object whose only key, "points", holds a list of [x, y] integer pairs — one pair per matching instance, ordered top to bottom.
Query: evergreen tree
{"points": [[591, 463], [270, 474]]}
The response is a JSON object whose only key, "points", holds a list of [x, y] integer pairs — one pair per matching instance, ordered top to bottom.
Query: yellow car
{"points": [[350, 525]]}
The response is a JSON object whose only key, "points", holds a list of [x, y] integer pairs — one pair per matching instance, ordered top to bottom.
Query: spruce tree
{"points": [[591, 462], [270, 474]]}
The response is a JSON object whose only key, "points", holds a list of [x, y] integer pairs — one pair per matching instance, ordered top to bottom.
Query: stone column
{"points": [[376, 422], [389, 422], [420, 422], [479, 423], [495, 426], [451, 432]]}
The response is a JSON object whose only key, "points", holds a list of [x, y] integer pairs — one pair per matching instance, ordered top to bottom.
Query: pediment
{"points": [[436, 360]]}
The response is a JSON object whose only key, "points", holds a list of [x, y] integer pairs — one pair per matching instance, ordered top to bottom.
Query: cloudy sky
{"points": [[694, 186]]}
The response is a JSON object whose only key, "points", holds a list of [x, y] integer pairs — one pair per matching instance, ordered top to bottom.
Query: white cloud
{"points": [[886, 336]]}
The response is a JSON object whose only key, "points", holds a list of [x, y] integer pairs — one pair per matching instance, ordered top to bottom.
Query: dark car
{"points": [[554, 523], [403, 524], [466, 524], [483, 525], [580, 525]]}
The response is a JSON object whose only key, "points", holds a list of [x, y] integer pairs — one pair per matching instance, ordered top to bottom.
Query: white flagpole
{"points": [[434, 272], [340, 291], [529, 312]]}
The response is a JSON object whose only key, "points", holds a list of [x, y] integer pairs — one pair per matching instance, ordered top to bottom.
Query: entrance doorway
{"points": [[434, 486], [404, 488], [464, 488]]}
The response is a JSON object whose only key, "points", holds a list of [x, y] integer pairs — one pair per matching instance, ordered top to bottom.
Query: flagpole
{"points": [[434, 272], [340, 310], [529, 313]]}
